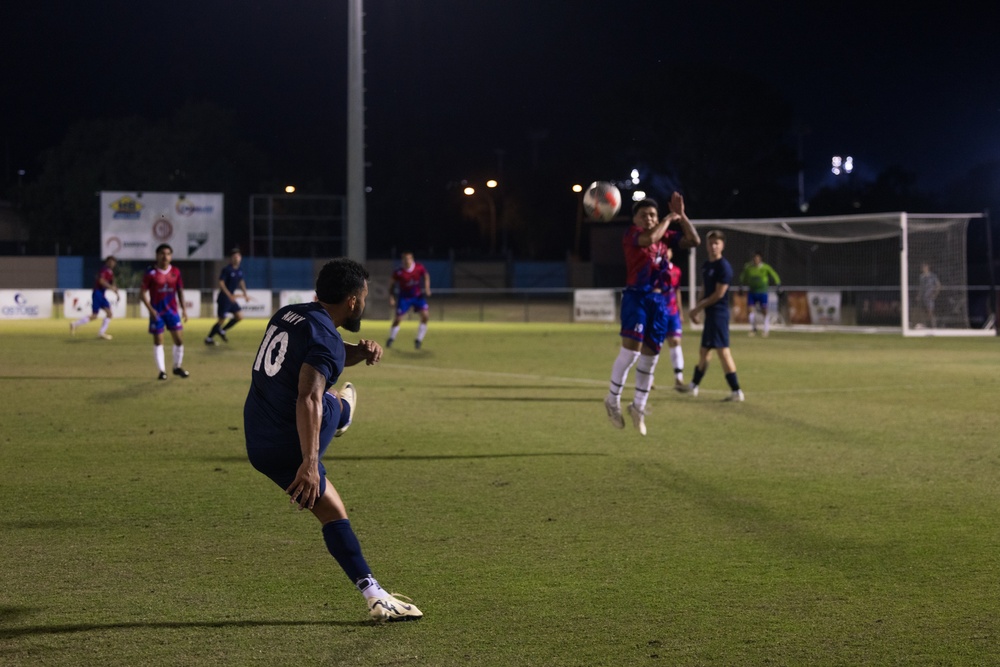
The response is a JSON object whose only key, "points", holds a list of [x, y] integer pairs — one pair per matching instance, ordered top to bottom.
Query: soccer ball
{"points": [[602, 201]]}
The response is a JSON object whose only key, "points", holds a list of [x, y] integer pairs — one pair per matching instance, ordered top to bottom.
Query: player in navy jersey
{"points": [[717, 276], [230, 280], [411, 285], [162, 293], [99, 301], [644, 307], [292, 413]]}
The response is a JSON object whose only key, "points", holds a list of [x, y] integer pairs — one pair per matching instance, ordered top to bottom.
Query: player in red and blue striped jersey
{"points": [[669, 282], [412, 285], [162, 293], [99, 301], [643, 306]]}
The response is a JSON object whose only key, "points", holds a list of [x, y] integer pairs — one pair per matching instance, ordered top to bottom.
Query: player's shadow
{"points": [[421, 457], [72, 628]]}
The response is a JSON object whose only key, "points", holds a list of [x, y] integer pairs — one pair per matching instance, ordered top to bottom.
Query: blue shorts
{"points": [[757, 298], [99, 301], [417, 303], [225, 306], [644, 318], [168, 319], [674, 325], [716, 332], [280, 461]]}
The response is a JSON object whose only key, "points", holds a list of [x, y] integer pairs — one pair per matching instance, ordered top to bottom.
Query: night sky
{"points": [[460, 79]]}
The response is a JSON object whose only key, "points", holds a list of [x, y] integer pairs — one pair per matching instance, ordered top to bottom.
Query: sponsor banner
{"points": [[134, 223], [288, 297], [192, 302], [77, 303], [25, 304], [594, 305], [258, 306], [824, 307], [879, 308], [740, 311]]}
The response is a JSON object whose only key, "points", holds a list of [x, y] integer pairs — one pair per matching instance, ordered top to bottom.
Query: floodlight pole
{"points": [[356, 217]]}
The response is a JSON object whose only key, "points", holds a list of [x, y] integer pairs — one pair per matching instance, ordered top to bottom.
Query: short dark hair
{"points": [[645, 203], [715, 234], [164, 246], [233, 251], [340, 278]]}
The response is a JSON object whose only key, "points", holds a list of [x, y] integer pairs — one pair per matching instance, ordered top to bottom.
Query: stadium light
{"points": [[289, 189]]}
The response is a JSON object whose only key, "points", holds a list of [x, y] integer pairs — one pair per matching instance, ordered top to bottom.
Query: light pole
{"points": [[470, 191]]}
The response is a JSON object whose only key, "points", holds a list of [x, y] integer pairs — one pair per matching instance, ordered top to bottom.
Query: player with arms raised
{"points": [[412, 285], [162, 293], [644, 308], [291, 413]]}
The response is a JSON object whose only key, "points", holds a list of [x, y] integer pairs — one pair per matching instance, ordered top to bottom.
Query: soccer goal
{"points": [[884, 272]]}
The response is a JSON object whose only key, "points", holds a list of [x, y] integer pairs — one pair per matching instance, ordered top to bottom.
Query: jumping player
{"points": [[717, 276], [230, 280], [413, 284], [162, 293], [99, 301], [643, 307], [291, 414]]}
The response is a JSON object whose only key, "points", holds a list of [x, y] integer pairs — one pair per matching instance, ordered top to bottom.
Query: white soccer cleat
{"points": [[104, 336], [693, 389], [349, 394], [736, 396], [614, 412], [638, 419], [392, 608]]}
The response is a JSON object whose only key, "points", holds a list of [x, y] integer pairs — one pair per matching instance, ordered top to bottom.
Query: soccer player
{"points": [[717, 276], [758, 276], [230, 280], [669, 283], [413, 284], [162, 293], [99, 301], [643, 306], [291, 414]]}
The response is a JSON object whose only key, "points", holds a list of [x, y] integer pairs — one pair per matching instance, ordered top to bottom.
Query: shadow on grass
{"points": [[413, 457], [71, 628]]}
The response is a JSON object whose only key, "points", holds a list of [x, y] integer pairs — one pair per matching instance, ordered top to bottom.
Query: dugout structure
{"points": [[855, 272]]}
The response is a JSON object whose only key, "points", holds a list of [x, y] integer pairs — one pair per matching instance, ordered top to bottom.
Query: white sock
{"points": [[752, 316], [80, 322], [767, 323], [104, 325], [393, 331], [421, 331], [178, 355], [158, 356], [677, 359], [619, 372], [644, 379], [370, 588]]}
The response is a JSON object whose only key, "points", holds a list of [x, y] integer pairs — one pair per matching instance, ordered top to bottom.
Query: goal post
{"points": [[903, 272]]}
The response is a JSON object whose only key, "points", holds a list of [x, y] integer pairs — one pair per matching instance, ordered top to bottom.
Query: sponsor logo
{"points": [[126, 208], [187, 208], [163, 229], [195, 241], [21, 308]]}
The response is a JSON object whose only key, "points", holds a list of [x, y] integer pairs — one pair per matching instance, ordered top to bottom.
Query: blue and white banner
{"points": [[77, 303], [25, 304], [594, 305], [258, 306]]}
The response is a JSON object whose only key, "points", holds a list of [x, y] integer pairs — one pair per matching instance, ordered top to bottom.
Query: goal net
{"points": [[890, 271]]}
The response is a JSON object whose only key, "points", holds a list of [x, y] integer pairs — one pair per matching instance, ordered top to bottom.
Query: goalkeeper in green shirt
{"points": [[757, 276]]}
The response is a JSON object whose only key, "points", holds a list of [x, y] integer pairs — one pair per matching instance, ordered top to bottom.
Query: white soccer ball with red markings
{"points": [[602, 201]]}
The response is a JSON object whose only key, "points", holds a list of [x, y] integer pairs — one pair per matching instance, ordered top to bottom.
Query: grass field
{"points": [[848, 513]]}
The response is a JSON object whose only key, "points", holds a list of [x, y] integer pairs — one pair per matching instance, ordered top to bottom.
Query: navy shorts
{"points": [[757, 298], [99, 301], [417, 303], [225, 306], [168, 319], [716, 332], [280, 461]]}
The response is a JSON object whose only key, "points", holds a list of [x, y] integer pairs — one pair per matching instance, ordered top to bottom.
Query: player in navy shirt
{"points": [[717, 276], [230, 280], [644, 317], [292, 413]]}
